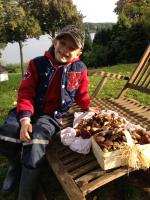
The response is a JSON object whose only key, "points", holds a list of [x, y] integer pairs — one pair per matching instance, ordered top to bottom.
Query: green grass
{"points": [[15, 68], [123, 69], [113, 87], [8, 89], [8, 94]]}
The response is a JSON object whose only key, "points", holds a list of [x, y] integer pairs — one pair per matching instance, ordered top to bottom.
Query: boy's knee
{"points": [[43, 129], [10, 130], [33, 155]]}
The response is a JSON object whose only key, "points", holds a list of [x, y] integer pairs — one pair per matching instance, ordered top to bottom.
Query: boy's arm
{"points": [[27, 92], [82, 97], [25, 102]]}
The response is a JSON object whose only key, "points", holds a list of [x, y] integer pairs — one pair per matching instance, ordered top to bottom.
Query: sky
{"points": [[97, 10]]}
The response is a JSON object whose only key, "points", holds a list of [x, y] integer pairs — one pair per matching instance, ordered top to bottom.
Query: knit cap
{"points": [[77, 34]]}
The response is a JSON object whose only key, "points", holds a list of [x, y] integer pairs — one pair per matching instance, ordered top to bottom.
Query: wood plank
{"points": [[144, 60], [107, 74], [141, 75], [145, 78], [148, 83], [99, 87], [139, 88], [125, 101], [111, 105], [127, 107], [137, 108], [139, 111], [125, 112], [65, 154], [68, 155], [71, 158], [78, 163], [84, 169], [78, 174], [89, 176], [106, 178], [71, 189]]}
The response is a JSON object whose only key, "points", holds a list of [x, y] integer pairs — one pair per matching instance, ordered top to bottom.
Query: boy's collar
{"points": [[51, 55]]}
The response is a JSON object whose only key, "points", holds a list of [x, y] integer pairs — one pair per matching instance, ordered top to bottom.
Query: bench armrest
{"points": [[104, 76]]}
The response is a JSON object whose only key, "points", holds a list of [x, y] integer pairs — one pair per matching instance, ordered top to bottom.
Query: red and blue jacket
{"points": [[52, 88]]}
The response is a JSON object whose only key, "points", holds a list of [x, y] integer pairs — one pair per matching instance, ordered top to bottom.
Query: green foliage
{"points": [[135, 11], [53, 14], [1, 20], [20, 20], [18, 24], [102, 37], [127, 40], [88, 41], [128, 44], [2, 45], [96, 57], [14, 68]]}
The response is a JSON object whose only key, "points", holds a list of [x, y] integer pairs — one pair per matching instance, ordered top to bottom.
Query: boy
{"points": [[49, 88]]}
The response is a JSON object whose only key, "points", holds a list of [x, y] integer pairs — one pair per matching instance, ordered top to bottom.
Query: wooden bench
{"points": [[81, 174]]}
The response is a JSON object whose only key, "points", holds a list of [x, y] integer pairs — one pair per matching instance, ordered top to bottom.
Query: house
{"points": [[3, 74]]}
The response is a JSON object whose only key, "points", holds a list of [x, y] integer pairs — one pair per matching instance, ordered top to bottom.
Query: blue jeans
{"points": [[33, 152]]}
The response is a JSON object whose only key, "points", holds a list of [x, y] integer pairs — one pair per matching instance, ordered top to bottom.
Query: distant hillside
{"points": [[92, 27]]}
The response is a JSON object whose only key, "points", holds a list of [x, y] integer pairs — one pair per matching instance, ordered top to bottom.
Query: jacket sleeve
{"points": [[27, 92], [82, 97]]}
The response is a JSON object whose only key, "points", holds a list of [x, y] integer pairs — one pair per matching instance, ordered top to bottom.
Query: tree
{"points": [[135, 11], [53, 14], [1, 20], [18, 25], [131, 36], [102, 37], [88, 41], [2, 45]]}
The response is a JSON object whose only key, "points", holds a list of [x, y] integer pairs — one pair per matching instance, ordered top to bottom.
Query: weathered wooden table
{"points": [[81, 174]]}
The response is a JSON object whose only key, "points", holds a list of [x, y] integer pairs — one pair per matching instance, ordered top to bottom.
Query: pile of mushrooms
{"points": [[109, 131]]}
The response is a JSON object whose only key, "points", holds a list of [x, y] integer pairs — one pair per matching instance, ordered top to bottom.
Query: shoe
{"points": [[12, 178]]}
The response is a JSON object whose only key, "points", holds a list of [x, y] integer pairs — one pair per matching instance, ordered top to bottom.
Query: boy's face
{"points": [[66, 49]]}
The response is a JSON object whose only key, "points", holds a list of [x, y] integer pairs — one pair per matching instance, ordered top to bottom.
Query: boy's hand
{"points": [[26, 128]]}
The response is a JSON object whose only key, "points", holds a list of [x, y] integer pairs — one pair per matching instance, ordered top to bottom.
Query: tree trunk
{"points": [[53, 34], [21, 57]]}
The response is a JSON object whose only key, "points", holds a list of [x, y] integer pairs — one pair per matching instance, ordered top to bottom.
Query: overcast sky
{"points": [[97, 10]]}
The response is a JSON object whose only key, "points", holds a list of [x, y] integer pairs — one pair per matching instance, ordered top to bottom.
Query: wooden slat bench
{"points": [[81, 174]]}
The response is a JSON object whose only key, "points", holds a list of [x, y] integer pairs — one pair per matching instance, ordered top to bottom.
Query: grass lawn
{"points": [[113, 87], [119, 189]]}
